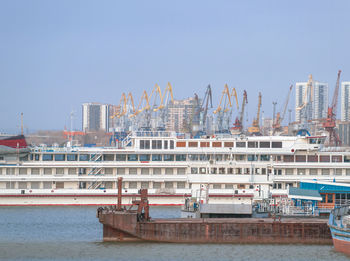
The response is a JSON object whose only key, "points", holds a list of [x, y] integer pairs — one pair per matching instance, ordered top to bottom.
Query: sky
{"points": [[56, 55]]}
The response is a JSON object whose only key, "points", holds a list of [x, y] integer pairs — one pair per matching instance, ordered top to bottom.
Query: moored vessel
{"points": [[339, 224]]}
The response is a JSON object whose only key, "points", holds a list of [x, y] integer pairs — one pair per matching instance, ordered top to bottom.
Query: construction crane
{"points": [[305, 109], [279, 118], [330, 123], [238, 125], [255, 128]]}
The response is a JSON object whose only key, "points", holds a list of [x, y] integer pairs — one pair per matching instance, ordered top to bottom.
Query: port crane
{"points": [[163, 107], [305, 109], [224, 111], [279, 118], [330, 123], [238, 124], [255, 128]]}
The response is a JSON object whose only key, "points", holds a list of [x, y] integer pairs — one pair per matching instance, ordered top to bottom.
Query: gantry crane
{"points": [[123, 106], [163, 107], [279, 118], [330, 123], [238, 125], [255, 128]]}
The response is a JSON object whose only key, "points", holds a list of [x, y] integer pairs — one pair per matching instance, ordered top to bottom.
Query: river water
{"points": [[74, 233]]}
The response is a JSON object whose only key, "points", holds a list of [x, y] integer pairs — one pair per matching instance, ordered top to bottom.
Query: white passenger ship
{"points": [[235, 169]]}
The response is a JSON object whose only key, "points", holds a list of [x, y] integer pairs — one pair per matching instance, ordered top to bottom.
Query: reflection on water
{"points": [[74, 233]]}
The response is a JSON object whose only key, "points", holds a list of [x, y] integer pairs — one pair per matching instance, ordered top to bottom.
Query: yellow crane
{"points": [[226, 96], [164, 98], [123, 108], [140, 108], [255, 128]]}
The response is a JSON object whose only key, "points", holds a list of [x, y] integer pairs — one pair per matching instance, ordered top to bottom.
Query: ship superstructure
{"points": [[234, 168]]}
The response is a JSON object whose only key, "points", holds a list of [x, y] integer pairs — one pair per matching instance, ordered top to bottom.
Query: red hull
{"points": [[14, 142], [342, 246]]}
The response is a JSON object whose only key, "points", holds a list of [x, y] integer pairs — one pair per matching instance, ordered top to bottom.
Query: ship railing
{"points": [[165, 134]]}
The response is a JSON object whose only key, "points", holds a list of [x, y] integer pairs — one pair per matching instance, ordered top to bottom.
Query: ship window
{"points": [[142, 144], [156, 144], [165, 144], [171, 144], [193, 144], [204, 144], [216, 144], [228, 144], [240, 144], [252, 144], [264, 144], [276, 144], [36, 157], [47, 157], [60, 157], [72, 157], [84, 157], [108, 157], [120, 157], [132, 157], [145, 157], [156, 157], [168, 157], [181, 157], [193, 157], [204, 157], [218, 157], [240, 157], [252, 157], [264, 157], [288, 158], [300, 158], [312, 158], [324, 158], [337, 158], [346, 158], [194, 170], [202, 170], [229, 170], [238, 170], [246, 170], [10, 171], [23, 171], [35, 171], [47, 171], [59, 171], [72, 171], [82, 171], [109, 171], [120, 171], [133, 171], [144, 171], [157, 171], [169, 171], [181, 171], [213, 171], [222, 171], [263, 171], [289, 171], [301, 171], [325, 171], [313, 172], [338, 172], [347, 172], [133, 184], [145, 184], [169, 184], [22, 185], [34, 185], [47, 185], [59, 185], [82, 185], [157, 185], [180, 185], [216, 186], [228, 186], [241, 186], [323, 198], [329, 198]]}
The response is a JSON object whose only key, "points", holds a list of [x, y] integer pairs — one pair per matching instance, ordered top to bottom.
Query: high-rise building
{"points": [[345, 99], [317, 107], [181, 114], [95, 117]]}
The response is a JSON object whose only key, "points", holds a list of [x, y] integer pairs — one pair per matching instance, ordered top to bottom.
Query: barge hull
{"points": [[125, 227]]}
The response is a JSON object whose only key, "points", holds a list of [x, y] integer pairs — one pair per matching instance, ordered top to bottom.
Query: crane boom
{"points": [[279, 118], [255, 128]]}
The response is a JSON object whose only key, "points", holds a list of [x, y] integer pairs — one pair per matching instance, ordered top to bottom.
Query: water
{"points": [[74, 233]]}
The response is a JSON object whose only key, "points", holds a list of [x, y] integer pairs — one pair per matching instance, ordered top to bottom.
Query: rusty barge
{"points": [[120, 224]]}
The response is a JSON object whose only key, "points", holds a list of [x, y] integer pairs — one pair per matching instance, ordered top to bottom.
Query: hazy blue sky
{"points": [[56, 55]]}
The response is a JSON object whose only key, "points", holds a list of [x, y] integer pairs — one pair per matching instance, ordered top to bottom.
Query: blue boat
{"points": [[339, 224]]}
